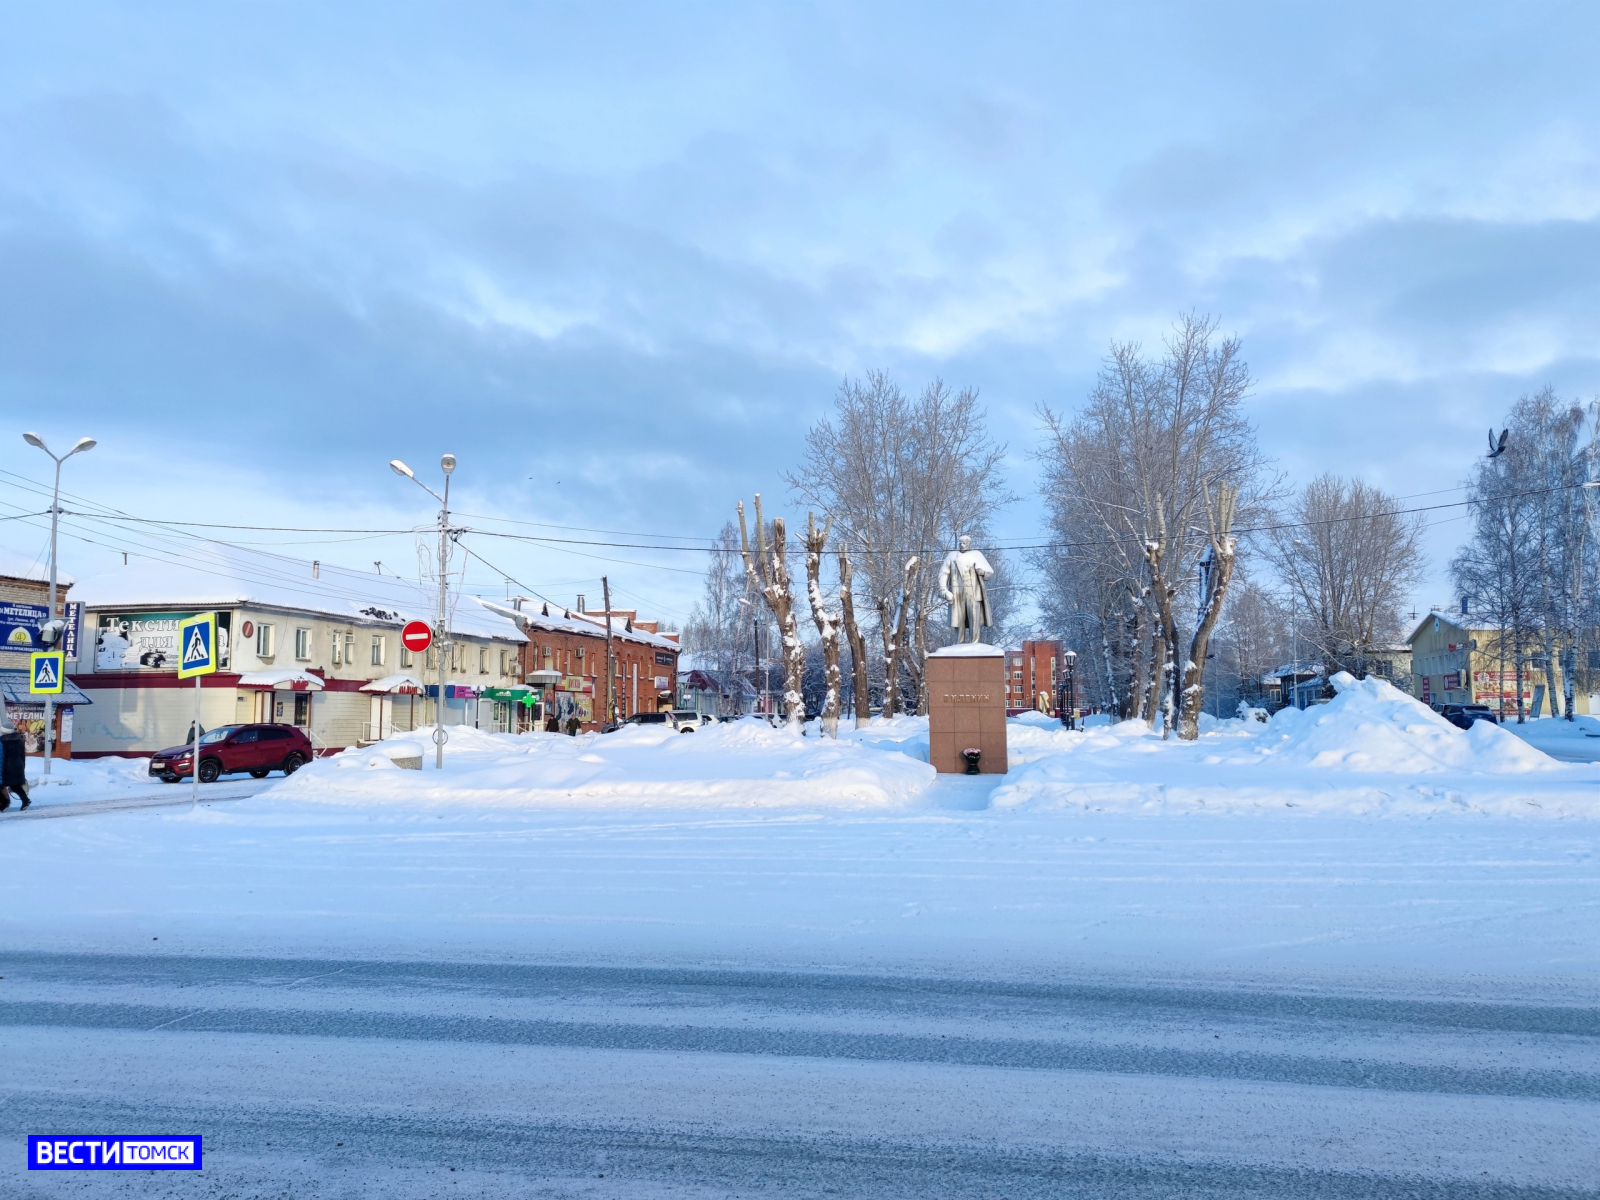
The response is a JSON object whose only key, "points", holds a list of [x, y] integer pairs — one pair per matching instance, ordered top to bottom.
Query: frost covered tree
{"points": [[902, 477], [1136, 483], [1350, 558], [767, 568], [1529, 571], [827, 623], [860, 683]]}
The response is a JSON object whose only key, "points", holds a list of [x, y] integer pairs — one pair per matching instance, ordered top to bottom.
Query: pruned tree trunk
{"points": [[1224, 552], [768, 572], [1161, 597], [827, 623], [892, 623], [857, 640], [918, 662]]}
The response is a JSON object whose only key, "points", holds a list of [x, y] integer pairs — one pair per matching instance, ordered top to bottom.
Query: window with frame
{"points": [[263, 641], [378, 641], [302, 644], [350, 648], [406, 658], [338, 659], [432, 659], [483, 660], [502, 660]]}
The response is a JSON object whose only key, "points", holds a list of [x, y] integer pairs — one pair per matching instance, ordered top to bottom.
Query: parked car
{"points": [[1464, 716], [684, 720], [687, 720], [257, 749]]}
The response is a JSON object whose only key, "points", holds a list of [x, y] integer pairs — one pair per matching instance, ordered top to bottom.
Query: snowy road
{"points": [[56, 802], [327, 1078]]}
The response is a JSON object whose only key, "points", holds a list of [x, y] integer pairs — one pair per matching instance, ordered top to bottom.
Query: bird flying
{"points": [[1496, 449]]}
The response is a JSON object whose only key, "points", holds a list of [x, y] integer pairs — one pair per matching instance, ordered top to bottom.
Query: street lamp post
{"points": [[86, 443], [448, 465]]}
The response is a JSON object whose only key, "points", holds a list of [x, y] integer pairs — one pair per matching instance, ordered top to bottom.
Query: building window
{"points": [[263, 641], [302, 644], [350, 649], [377, 649], [405, 657], [432, 659], [338, 660], [483, 660], [502, 660]]}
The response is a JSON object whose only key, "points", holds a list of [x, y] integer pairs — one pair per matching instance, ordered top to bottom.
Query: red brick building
{"points": [[566, 655], [1032, 674]]}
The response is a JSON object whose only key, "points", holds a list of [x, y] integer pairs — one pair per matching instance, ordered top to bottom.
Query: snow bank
{"points": [[1372, 749], [745, 764], [78, 779]]}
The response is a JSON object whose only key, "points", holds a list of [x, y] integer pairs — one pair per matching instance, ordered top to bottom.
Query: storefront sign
{"points": [[19, 625], [69, 637], [148, 641], [663, 659], [1452, 681]]}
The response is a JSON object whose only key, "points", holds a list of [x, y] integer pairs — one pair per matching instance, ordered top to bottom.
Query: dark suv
{"points": [[1464, 716], [254, 748]]}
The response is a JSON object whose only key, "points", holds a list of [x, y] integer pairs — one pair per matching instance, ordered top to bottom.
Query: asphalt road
{"points": [[320, 1078]]}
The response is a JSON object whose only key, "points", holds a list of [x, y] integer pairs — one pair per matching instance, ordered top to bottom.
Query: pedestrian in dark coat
{"points": [[13, 768]]}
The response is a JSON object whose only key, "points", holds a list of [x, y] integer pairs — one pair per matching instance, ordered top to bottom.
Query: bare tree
{"points": [[902, 478], [1131, 482], [1350, 557], [767, 568], [1529, 570], [1216, 573], [827, 623], [717, 631], [858, 642]]}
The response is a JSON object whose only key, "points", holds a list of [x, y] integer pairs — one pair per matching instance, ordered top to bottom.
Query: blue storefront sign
{"points": [[19, 625]]}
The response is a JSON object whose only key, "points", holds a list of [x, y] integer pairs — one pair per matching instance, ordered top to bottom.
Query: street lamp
{"points": [[85, 443], [448, 465], [755, 638], [1070, 708]]}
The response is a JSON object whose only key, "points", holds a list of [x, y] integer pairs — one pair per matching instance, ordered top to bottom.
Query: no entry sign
{"points": [[416, 636]]}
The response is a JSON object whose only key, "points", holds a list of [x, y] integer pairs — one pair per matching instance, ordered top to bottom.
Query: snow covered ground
{"points": [[1349, 952]]}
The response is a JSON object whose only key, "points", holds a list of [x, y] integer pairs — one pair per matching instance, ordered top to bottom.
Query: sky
{"points": [[618, 258]]}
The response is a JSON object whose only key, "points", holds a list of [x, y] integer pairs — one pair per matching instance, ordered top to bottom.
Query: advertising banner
{"points": [[73, 613], [19, 625], [148, 641]]}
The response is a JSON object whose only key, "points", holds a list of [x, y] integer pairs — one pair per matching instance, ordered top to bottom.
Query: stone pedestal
{"points": [[967, 707]]}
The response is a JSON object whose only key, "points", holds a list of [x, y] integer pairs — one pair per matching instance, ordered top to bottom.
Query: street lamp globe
{"points": [[33, 439], [84, 443], [448, 462], [399, 468]]}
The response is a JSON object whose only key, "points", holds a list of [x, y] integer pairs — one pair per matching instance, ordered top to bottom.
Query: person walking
{"points": [[13, 766]]}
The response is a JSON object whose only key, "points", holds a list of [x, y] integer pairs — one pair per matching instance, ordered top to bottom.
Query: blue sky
{"points": [[616, 258]]}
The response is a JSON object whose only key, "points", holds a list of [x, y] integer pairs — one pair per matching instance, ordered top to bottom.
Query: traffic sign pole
{"points": [[197, 657]]}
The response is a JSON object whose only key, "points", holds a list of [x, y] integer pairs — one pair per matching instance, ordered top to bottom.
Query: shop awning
{"points": [[544, 678], [281, 681], [399, 685], [14, 687]]}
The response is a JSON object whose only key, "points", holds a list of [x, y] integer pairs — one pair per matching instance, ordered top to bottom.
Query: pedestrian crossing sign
{"points": [[197, 645], [47, 673]]}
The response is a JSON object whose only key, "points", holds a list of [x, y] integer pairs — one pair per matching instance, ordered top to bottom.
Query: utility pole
{"points": [[87, 443], [447, 464], [611, 665]]}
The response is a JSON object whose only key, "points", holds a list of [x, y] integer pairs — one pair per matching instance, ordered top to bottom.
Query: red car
{"points": [[254, 748]]}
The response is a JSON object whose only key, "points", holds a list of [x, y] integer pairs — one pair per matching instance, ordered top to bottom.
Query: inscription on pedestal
{"points": [[966, 708]]}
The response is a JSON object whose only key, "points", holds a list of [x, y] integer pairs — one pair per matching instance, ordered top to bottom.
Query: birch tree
{"points": [[857, 641]]}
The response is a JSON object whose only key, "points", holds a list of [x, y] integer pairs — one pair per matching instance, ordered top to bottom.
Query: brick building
{"points": [[565, 655], [1032, 675]]}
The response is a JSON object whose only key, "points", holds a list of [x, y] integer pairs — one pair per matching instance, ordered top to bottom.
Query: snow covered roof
{"points": [[20, 566], [216, 576], [568, 622], [282, 681], [404, 684], [14, 690]]}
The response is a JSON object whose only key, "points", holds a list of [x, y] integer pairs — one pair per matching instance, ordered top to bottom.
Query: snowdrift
{"points": [[1372, 749], [746, 764]]}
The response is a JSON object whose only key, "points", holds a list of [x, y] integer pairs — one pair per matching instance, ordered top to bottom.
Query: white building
{"points": [[299, 643]]}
